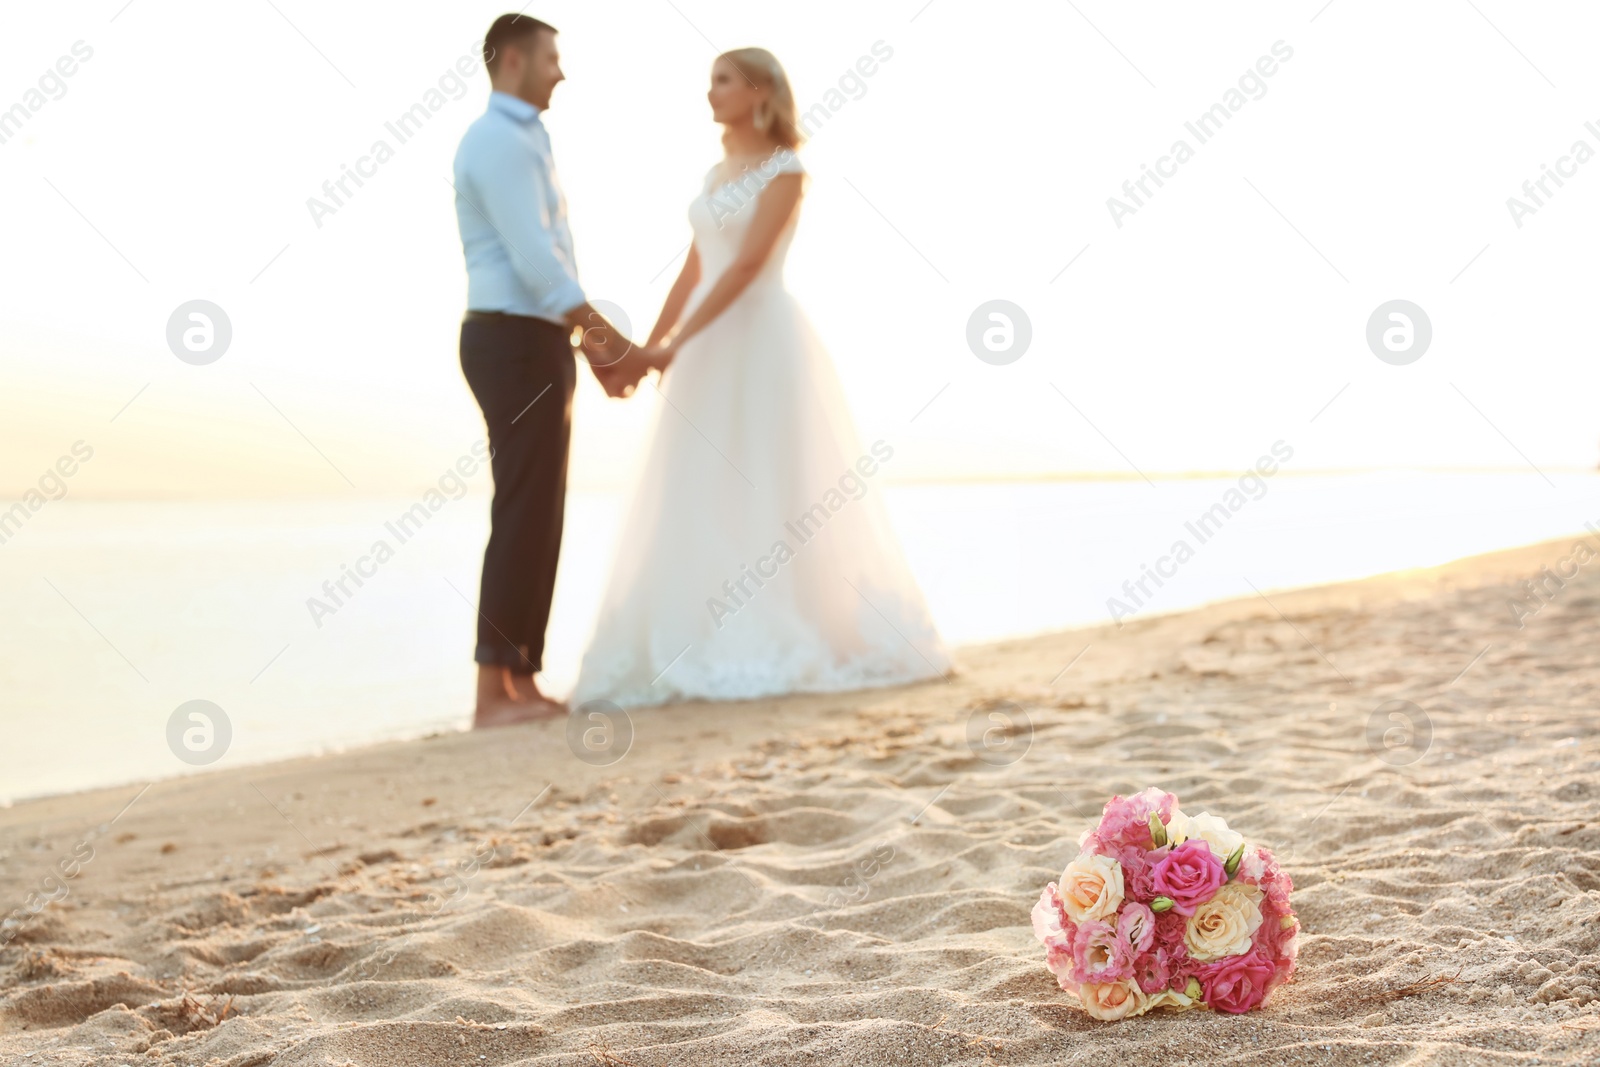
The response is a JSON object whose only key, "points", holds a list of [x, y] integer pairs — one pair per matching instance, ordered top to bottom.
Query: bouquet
{"points": [[1166, 910]]}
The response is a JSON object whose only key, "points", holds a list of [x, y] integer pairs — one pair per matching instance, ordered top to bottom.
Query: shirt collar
{"points": [[514, 106]]}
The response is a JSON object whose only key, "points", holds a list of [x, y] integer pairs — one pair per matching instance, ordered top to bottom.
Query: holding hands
{"points": [[660, 355], [618, 363]]}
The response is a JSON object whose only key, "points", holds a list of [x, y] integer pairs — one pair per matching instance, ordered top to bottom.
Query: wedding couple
{"points": [[754, 559]]}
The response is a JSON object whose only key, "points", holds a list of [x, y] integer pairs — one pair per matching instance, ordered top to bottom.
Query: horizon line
{"points": [[1038, 478]]}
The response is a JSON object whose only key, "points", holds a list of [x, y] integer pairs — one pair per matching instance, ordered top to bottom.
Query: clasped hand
{"points": [[619, 364]]}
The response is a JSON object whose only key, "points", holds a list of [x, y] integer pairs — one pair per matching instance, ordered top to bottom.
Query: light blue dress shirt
{"points": [[513, 217]]}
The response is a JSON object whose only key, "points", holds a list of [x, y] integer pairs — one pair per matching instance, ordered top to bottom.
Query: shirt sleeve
{"points": [[508, 190]]}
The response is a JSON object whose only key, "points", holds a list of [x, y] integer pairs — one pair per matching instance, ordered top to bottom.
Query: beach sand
{"points": [[847, 879]]}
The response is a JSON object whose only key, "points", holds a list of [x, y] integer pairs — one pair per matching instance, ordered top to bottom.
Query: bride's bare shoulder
{"points": [[786, 161]]}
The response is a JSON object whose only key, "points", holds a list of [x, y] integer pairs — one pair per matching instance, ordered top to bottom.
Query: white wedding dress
{"points": [[756, 557]]}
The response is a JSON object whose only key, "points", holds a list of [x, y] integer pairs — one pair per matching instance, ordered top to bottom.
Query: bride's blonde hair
{"points": [[776, 116]]}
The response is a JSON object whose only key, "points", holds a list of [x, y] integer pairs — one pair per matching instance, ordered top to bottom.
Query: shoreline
{"points": [[1547, 551], [392, 659], [847, 877]]}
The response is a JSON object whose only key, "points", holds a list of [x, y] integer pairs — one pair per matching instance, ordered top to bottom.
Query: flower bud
{"points": [[1158, 830], [1231, 866], [1161, 904]]}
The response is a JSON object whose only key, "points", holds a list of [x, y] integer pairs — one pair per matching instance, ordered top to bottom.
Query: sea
{"points": [[121, 615]]}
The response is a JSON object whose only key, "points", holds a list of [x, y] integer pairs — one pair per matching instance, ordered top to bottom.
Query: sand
{"points": [[846, 880]]}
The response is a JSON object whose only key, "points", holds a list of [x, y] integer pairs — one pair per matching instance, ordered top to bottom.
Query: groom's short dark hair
{"points": [[508, 31]]}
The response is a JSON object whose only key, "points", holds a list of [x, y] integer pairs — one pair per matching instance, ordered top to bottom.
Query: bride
{"points": [[756, 557]]}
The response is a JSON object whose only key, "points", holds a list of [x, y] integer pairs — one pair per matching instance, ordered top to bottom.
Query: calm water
{"points": [[120, 612]]}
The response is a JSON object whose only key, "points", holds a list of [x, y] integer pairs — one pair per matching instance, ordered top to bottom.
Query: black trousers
{"points": [[522, 371]]}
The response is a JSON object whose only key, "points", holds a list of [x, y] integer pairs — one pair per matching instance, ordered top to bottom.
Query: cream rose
{"points": [[1177, 828], [1214, 831], [1091, 888], [1224, 925], [1170, 998], [1113, 1000]]}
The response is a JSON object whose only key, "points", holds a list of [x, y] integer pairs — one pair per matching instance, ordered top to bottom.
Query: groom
{"points": [[524, 306]]}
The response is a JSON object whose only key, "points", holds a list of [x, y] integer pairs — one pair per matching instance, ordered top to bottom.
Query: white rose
{"points": [[1177, 828], [1214, 831], [1091, 888], [1224, 925], [1113, 1000]]}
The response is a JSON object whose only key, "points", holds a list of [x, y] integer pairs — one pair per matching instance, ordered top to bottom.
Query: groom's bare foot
{"points": [[527, 694], [506, 700], [488, 717]]}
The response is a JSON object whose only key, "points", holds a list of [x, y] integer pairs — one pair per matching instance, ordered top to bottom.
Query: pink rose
{"points": [[1189, 875], [1106, 942], [1236, 984]]}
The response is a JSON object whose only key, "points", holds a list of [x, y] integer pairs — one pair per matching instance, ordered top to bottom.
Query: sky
{"points": [[1180, 328]]}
